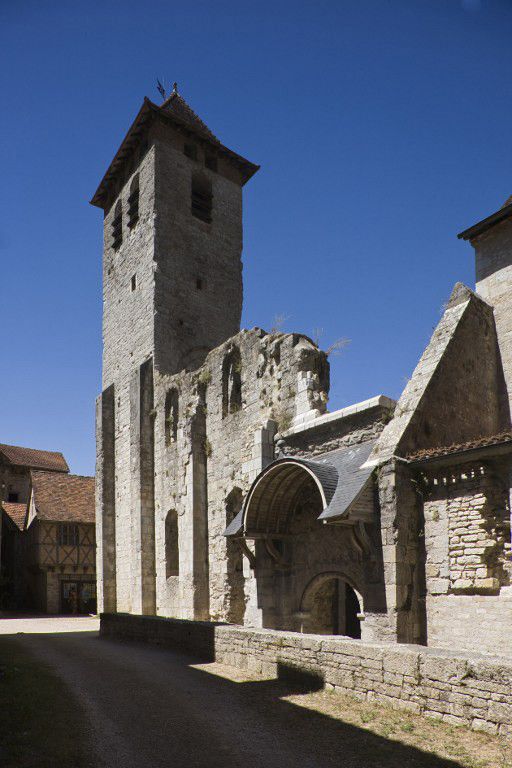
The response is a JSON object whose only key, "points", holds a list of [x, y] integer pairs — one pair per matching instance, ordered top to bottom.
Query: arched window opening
{"points": [[201, 198], [133, 202], [117, 226], [232, 382], [171, 416], [172, 554], [235, 575], [331, 606]]}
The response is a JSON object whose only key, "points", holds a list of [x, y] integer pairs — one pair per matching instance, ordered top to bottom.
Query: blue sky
{"points": [[382, 128]]}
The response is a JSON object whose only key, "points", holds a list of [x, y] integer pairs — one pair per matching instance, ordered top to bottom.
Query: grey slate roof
{"points": [[339, 474], [352, 477]]}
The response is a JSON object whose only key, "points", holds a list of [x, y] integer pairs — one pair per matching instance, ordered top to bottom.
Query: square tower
{"points": [[172, 270], [172, 291]]}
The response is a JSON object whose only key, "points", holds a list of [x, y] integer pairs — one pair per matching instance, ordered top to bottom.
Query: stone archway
{"points": [[331, 606]]}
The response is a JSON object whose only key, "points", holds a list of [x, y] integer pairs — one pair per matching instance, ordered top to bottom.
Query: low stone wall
{"points": [[461, 689]]}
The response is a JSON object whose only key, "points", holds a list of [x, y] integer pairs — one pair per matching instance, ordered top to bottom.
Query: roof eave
{"points": [[139, 121], [247, 166], [490, 221], [462, 456]]}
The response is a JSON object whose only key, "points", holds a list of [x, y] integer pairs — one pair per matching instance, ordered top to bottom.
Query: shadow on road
{"points": [[163, 710]]}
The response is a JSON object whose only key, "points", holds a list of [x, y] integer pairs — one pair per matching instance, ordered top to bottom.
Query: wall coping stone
{"points": [[328, 418]]}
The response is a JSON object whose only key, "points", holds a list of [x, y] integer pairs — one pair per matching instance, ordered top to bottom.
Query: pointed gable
{"points": [[456, 391]]}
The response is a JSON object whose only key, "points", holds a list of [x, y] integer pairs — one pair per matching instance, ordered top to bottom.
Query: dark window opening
{"points": [[190, 150], [210, 162], [201, 199], [133, 202], [117, 226], [134, 282], [199, 284], [232, 382], [171, 416], [13, 497], [68, 534], [172, 556]]}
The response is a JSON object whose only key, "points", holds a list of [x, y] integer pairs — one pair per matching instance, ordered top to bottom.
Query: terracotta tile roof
{"points": [[179, 108], [480, 442], [33, 458], [63, 498], [16, 512]]}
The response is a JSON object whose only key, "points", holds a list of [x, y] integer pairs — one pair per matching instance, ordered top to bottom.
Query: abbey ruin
{"points": [[226, 491]]}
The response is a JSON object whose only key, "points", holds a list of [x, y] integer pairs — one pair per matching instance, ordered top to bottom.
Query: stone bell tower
{"points": [[492, 240], [172, 291]]}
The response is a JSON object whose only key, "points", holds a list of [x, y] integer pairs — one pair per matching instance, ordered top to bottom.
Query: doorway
{"points": [[78, 597], [330, 606]]}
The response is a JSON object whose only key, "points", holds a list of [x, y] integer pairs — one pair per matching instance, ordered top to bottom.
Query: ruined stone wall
{"points": [[208, 451], [468, 548], [460, 689]]}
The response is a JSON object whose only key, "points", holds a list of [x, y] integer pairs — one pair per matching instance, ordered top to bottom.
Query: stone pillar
{"points": [[143, 489], [105, 501], [200, 559], [403, 620]]}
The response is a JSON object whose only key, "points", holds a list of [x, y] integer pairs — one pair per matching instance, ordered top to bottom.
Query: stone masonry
{"points": [[226, 491], [466, 689]]}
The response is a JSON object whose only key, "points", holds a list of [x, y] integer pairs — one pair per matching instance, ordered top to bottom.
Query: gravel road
{"points": [[148, 707]]}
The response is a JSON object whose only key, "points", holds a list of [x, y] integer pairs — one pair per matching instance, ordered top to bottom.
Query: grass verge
{"points": [[41, 724], [465, 747]]}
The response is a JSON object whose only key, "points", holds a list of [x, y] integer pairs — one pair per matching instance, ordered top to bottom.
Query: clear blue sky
{"points": [[382, 128]]}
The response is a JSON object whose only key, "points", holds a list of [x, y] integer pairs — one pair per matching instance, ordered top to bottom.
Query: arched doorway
{"points": [[331, 606]]}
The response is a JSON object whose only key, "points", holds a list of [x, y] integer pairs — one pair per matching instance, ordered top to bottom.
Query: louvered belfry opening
{"points": [[201, 198], [133, 202], [117, 226]]}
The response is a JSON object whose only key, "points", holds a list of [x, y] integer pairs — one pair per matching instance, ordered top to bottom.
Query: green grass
{"points": [[41, 724], [469, 749]]}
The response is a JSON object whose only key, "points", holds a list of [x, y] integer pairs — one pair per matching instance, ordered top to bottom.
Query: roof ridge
{"points": [[187, 114], [26, 448]]}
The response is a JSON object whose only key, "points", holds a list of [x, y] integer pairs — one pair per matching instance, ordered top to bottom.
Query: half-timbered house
{"points": [[60, 545]]}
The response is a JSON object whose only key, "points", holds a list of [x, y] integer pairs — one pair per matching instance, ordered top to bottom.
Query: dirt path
{"points": [[148, 707]]}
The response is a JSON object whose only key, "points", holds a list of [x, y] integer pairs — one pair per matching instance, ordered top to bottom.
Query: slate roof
{"points": [[179, 108], [176, 110], [490, 221], [447, 450], [33, 458], [339, 473], [352, 477], [63, 498], [16, 512]]}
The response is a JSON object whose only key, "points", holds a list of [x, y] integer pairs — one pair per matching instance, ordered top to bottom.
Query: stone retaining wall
{"points": [[461, 689]]}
